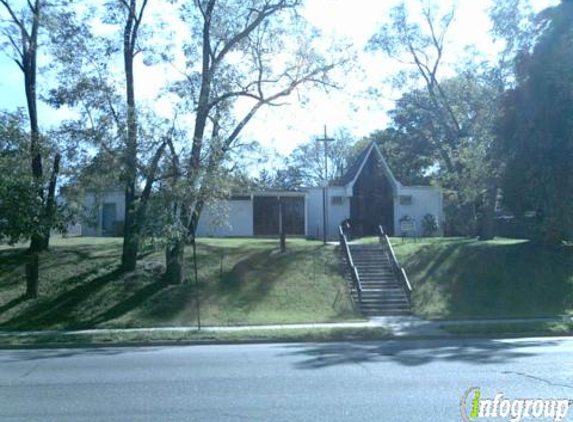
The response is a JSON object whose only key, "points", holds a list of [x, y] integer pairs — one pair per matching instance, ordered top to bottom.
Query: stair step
{"points": [[378, 280], [381, 288], [381, 294], [381, 297], [384, 300], [393, 304], [383, 307], [388, 310], [380, 312]]}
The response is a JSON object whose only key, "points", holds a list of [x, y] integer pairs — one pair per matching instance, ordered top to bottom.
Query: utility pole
{"points": [[326, 140]]}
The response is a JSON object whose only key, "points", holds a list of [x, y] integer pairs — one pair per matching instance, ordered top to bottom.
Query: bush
{"points": [[429, 225]]}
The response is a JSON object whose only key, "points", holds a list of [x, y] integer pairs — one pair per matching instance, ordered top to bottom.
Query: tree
{"points": [[133, 16], [21, 29], [420, 48], [252, 54], [449, 120], [112, 122], [535, 128], [409, 145], [408, 155], [308, 160], [18, 201], [21, 215]]}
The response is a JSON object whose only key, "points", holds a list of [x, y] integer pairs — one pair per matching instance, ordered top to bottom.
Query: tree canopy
{"points": [[536, 128]]}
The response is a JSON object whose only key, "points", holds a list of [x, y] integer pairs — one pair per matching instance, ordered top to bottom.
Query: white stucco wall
{"points": [[91, 200], [425, 200], [336, 213], [229, 218]]}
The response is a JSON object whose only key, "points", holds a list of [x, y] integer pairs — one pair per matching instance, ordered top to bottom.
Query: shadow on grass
{"points": [[64, 257], [11, 261], [247, 279], [479, 279], [235, 282], [242, 282], [236, 288], [13, 303], [130, 304], [59, 310], [415, 353]]}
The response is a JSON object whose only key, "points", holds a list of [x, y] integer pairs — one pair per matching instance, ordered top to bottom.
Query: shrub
{"points": [[429, 225]]}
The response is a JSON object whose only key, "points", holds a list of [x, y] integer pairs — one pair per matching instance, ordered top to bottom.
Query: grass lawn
{"points": [[457, 278], [242, 281]]}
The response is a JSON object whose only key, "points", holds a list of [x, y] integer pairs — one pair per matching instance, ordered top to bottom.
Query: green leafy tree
{"points": [[23, 29], [237, 45], [111, 120], [448, 120], [536, 128], [409, 157], [309, 159], [18, 199]]}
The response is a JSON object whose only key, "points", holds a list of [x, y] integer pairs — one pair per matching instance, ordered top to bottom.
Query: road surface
{"points": [[370, 381]]}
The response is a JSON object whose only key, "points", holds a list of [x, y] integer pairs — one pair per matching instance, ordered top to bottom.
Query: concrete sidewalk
{"points": [[401, 326]]}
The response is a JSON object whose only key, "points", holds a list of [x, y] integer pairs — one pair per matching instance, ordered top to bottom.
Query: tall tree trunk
{"points": [[29, 67], [51, 202], [130, 234], [174, 263], [32, 275]]}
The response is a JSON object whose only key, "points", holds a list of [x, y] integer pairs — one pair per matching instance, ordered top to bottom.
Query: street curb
{"points": [[390, 337], [151, 344]]}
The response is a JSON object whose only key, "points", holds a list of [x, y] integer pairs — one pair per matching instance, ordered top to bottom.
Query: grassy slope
{"points": [[460, 278], [244, 282]]}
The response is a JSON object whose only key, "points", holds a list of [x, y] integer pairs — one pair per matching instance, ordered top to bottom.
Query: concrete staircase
{"points": [[382, 293]]}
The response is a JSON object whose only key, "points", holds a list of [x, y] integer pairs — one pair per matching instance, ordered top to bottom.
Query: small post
{"points": [[326, 140], [282, 233], [195, 268], [32, 276], [198, 309]]}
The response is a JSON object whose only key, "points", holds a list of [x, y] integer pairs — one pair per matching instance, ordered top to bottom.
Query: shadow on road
{"points": [[415, 353], [23, 355]]}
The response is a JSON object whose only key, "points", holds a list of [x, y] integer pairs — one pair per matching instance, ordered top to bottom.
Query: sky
{"points": [[350, 108]]}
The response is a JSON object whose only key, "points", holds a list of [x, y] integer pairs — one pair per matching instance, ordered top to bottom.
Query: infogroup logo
{"points": [[473, 407]]}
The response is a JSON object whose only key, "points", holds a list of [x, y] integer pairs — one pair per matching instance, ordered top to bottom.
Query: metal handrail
{"points": [[353, 270], [399, 271], [408, 285]]}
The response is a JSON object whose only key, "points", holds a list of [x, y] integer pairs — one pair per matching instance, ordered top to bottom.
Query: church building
{"points": [[367, 196]]}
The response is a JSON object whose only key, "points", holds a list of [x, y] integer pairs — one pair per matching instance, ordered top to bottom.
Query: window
{"points": [[405, 199], [337, 200]]}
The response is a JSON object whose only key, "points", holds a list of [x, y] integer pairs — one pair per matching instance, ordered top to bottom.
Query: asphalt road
{"points": [[376, 381]]}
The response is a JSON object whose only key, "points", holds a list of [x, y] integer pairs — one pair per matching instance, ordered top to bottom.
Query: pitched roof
{"points": [[353, 170], [351, 175]]}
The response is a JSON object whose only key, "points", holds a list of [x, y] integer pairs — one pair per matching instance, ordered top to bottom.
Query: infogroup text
{"points": [[474, 407]]}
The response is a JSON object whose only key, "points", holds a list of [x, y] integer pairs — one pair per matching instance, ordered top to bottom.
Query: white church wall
{"points": [[92, 200], [415, 202], [338, 209], [232, 218]]}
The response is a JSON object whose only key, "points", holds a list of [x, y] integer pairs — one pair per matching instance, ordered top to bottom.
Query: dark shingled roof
{"points": [[351, 173]]}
